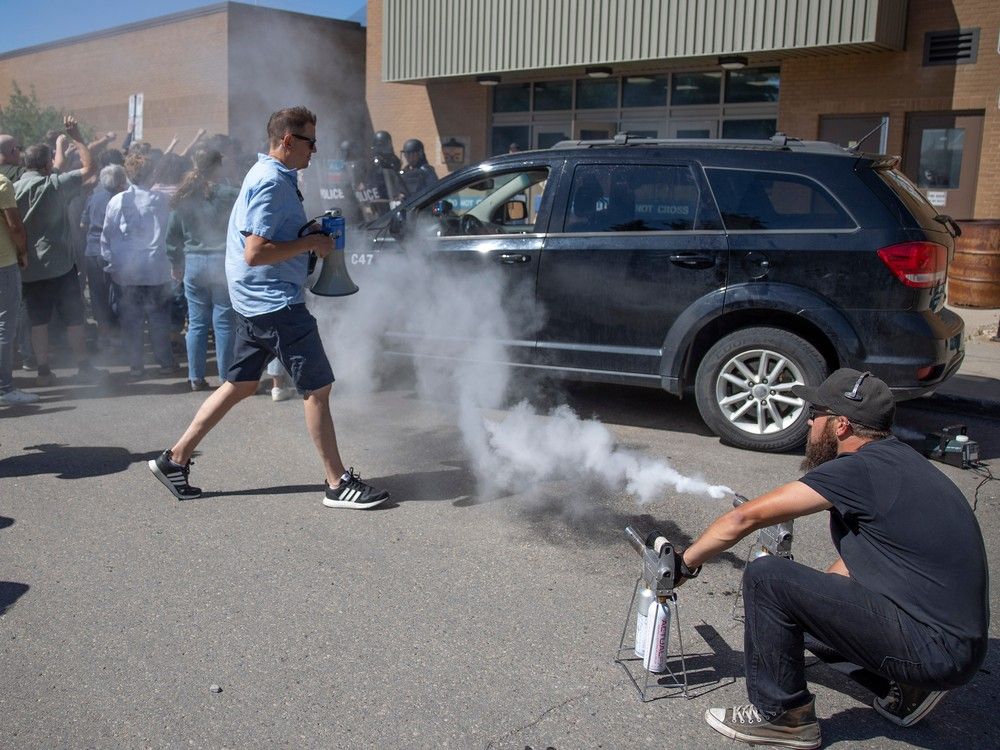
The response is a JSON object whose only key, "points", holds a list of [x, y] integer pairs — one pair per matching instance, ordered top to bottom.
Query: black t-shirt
{"points": [[905, 531]]}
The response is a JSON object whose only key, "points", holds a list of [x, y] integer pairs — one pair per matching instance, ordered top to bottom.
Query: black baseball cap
{"points": [[859, 396]]}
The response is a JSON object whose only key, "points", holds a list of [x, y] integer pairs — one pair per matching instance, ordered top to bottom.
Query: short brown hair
{"points": [[285, 120], [37, 156], [138, 167], [869, 433]]}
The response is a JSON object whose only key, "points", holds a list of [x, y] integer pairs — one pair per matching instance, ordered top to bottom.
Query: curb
{"points": [[986, 407]]}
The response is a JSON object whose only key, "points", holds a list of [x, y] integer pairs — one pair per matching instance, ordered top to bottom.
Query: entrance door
{"points": [[692, 129], [594, 131], [547, 135], [941, 156]]}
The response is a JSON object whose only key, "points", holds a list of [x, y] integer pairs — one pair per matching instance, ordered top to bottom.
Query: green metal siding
{"points": [[425, 39]]}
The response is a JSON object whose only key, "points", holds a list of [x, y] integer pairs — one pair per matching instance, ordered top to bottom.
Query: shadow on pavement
{"points": [[36, 409], [71, 462], [5, 522], [10, 592]]}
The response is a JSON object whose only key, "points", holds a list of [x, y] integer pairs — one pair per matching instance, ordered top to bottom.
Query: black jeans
{"points": [[785, 601]]}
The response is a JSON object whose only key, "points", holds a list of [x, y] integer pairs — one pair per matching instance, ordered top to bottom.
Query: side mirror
{"points": [[515, 211], [397, 222]]}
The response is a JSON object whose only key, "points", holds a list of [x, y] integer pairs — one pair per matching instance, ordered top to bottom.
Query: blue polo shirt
{"points": [[270, 207]]}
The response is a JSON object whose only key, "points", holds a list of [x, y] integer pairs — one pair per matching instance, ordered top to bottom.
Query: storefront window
{"points": [[752, 85], [696, 88], [644, 91], [597, 94], [551, 95], [512, 97], [748, 128], [505, 136], [941, 157]]}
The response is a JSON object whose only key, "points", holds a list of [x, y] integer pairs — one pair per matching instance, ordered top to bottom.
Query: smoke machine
{"points": [[333, 279], [952, 445], [771, 540], [654, 601]]}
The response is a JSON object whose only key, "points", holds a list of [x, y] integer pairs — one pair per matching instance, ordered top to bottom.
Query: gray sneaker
{"points": [[15, 397], [905, 705], [796, 727]]}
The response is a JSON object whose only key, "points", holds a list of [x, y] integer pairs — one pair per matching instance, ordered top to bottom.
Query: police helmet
{"points": [[382, 141], [412, 146]]}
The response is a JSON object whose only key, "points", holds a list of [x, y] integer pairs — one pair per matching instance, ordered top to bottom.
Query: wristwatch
{"points": [[684, 570]]}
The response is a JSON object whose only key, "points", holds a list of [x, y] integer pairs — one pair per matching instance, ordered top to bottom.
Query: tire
{"points": [[739, 404]]}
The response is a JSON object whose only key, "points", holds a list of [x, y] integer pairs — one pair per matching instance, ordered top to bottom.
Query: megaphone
{"points": [[333, 279]]}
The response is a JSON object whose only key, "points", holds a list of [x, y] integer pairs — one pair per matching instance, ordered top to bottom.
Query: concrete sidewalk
{"points": [[977, 383]]}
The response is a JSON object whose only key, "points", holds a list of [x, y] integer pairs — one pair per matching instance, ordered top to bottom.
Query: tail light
{"points": [[920, 265]]}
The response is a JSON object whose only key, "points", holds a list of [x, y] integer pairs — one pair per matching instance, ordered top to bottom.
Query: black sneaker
{"points": [[199, 385], [174, 476], [353, 493], [904, 706], [796, 727]]}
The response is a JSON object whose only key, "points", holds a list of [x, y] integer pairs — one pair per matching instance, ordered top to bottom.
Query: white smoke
{"points": [[457, 322]]}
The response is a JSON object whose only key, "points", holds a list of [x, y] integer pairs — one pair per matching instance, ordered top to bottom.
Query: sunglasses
{"points": [[310, 141], [818, 412]]}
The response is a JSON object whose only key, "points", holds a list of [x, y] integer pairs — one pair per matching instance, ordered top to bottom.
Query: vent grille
{"points": [[951, 47]]}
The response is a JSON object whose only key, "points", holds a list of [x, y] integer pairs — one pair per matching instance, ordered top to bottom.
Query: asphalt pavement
{"points": [[442, 619]]}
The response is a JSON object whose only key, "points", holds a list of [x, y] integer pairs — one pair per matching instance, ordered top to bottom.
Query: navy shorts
{"points": [[62, 294], [292, 337]]}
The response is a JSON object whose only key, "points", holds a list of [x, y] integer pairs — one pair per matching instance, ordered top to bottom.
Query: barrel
{"points": [[974, 273]]}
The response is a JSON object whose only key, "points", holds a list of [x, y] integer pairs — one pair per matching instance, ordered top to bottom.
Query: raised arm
{"points": [[197, 137], [87, 165], [782, 504]]}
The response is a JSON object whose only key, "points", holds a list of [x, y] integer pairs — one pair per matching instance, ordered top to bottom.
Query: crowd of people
{"points": [[134, 238]]}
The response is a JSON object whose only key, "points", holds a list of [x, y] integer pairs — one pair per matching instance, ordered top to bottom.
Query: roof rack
{"points": [[777, 142]]}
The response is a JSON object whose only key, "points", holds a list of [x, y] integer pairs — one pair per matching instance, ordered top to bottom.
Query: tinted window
{"points": [[752, 85], [696, 88], [644, 91], [597, 94], [553, 95], [512, 97], [632, 199], [766, 200]]}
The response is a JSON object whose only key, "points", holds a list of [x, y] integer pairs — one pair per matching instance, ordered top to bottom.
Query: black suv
{"points": [[738, 268]]}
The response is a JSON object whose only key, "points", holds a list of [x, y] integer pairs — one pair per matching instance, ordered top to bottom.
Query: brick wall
{"points": [[180, 68], [896, 83], [432, 112]]}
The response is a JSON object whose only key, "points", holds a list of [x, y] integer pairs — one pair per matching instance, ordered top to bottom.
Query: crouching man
{"points": [[905, 604]]}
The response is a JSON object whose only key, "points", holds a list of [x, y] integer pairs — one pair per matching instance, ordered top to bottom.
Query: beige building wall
{"points": [[180, 68], [895, 83], [434, 112]]}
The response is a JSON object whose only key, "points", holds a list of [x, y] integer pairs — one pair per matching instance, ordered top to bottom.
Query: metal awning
{"points": [[427, 39]]}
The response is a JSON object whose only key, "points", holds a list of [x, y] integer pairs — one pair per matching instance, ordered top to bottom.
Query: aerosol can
{"points": [[646, 599], [657, 635]]}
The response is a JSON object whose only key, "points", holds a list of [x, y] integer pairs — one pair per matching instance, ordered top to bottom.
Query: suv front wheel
{"points": [[743, 387]]}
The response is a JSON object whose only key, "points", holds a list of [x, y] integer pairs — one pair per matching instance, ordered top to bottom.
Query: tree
{"points": [[27, 120]]}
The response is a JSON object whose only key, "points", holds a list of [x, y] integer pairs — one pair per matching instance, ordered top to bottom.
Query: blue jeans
{"points": [[208, 300], [10, 305], [136, 305], [784, 602]]}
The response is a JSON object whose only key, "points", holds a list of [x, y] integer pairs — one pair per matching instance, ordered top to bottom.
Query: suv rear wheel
{"points": [[743, 387]]}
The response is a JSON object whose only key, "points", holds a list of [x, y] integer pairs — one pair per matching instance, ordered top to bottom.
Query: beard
{"points": [[821, 450]]}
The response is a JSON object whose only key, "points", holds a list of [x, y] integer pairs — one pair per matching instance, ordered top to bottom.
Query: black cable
{"points": [[980, 469]]}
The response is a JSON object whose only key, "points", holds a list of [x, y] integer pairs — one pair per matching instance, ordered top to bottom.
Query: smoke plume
{"points": [[456, 322]]}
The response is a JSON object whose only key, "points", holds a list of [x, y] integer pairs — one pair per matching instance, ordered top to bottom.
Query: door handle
{"points": [[512, 258], [692, 260]]}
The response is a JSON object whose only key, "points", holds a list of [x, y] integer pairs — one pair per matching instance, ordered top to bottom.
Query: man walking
{"points": [[13, 257], [266, 267], [51, 280], [906, 602]]}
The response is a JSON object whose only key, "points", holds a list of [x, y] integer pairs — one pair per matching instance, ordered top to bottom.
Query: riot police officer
{"points": [[417, 174], [380, 177]]}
